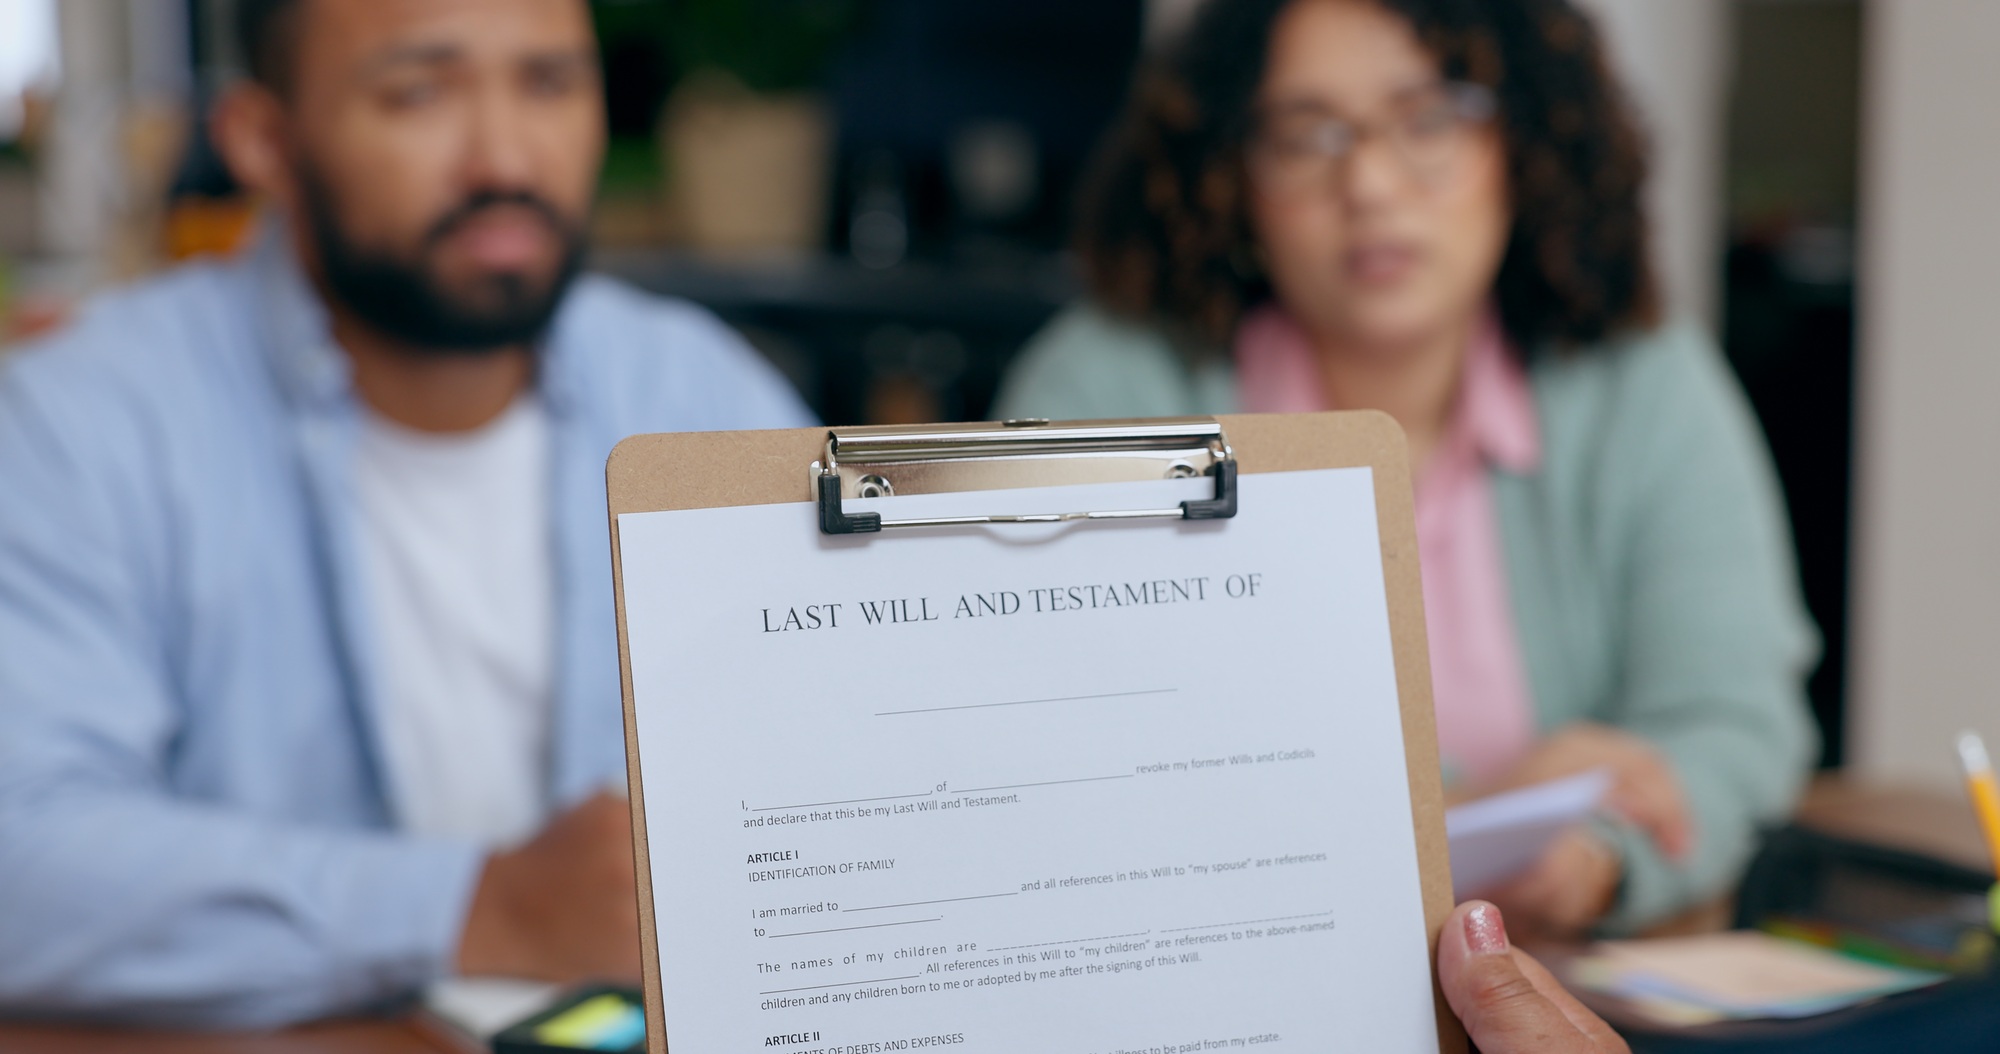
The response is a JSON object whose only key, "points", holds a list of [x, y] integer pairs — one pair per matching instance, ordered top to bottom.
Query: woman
{"points": [[1432, 208]]}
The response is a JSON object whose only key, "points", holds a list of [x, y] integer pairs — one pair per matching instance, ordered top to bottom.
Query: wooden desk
{"points": [[1928, 822], [410, 1036]]}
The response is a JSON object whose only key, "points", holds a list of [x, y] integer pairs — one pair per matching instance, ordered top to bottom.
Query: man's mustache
{"points": [[470, 209]]}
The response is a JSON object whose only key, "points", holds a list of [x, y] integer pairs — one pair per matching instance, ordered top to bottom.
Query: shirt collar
{"points": [[293, 322], [313, 371], [559, 374], [1496, 405], [1493, 413]]}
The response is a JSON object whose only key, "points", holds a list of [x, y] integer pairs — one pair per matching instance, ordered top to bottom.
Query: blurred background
{"points": [[877, 192]]}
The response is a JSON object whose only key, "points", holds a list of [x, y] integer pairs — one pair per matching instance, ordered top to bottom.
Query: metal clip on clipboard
{"points": [[881, 462]]}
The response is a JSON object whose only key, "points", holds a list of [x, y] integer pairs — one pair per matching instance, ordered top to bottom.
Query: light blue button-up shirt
{"points": [[194, 825]]}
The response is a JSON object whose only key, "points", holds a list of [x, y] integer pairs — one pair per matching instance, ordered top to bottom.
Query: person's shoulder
{"points": [[1084, 337], [143, 344], [1667, 351], [669, 362], [1088, 362], [1672, 378], [103, 405], [1648, 416]]}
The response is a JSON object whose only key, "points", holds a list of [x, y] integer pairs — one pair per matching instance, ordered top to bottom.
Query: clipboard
{"points": [[830, 467]]}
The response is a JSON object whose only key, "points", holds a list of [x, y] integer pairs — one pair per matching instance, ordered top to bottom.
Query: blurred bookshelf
{"points": [[875, 191]]}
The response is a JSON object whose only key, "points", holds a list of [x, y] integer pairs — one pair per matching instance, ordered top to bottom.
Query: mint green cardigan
{"points": [[1648, 559]]}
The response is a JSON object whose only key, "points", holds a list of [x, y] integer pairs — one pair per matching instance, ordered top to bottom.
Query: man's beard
{"points": [[407, 301]]}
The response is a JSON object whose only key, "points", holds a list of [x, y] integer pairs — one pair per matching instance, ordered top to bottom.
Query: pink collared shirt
{"points": [[1485, 713]]}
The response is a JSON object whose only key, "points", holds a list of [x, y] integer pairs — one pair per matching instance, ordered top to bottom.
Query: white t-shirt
{"points": [[458, 563]]}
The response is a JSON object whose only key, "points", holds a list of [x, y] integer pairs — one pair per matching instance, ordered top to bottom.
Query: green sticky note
{"points": [[604, 1022]]}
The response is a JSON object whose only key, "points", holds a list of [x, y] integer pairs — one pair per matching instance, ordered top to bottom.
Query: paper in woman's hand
{"points": [[1495, 839]]}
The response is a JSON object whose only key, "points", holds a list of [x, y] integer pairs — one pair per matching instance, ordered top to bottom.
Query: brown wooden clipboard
{"points": [[705, 470]]}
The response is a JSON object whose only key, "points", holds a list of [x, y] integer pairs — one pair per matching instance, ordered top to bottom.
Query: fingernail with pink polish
{"points": [[1485, 931]]}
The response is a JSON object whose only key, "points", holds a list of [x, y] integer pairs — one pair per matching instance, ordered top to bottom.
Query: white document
{"points": [[1129, 788], [1497, 838]]}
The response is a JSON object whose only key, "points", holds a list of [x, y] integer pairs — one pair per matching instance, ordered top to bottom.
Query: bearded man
{"points": [[308, 679]]}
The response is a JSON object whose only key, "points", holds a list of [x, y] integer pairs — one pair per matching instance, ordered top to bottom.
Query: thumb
{"points": [[1503, 1010]]}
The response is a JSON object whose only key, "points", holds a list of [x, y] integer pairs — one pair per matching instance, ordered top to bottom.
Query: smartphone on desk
{"points": [[603, 1018]]}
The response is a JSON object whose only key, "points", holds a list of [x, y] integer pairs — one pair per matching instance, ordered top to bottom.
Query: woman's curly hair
{"points": [[1163, 232]]}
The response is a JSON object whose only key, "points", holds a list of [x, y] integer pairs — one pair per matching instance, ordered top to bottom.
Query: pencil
{"points": [[1985, 792]]}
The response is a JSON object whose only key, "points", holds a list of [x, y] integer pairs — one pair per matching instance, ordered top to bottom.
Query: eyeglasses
{"points": [[1302, 148]]}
